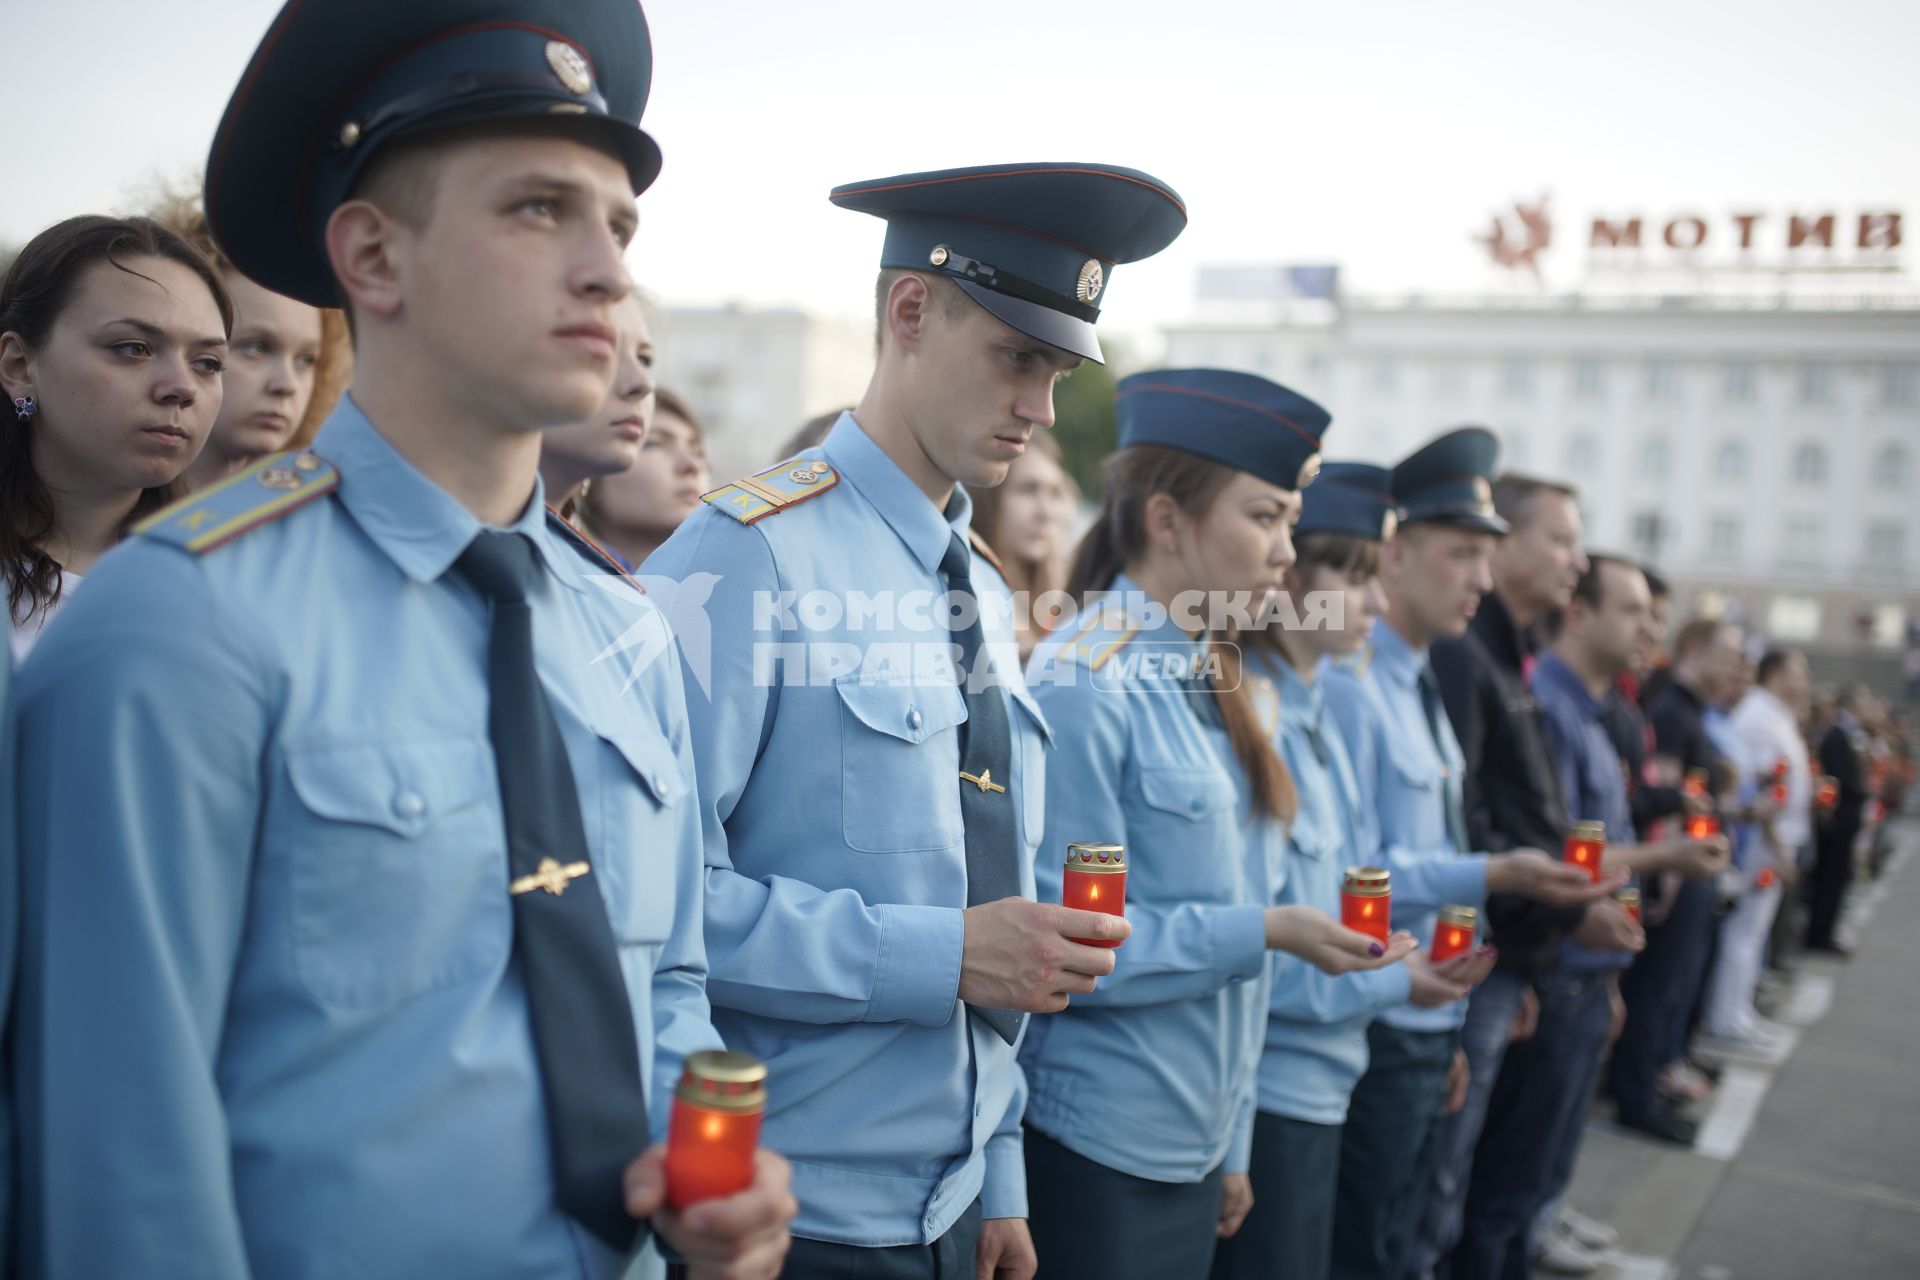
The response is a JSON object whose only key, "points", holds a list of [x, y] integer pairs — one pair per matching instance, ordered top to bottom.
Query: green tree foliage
{"points": [[1083, 419]]}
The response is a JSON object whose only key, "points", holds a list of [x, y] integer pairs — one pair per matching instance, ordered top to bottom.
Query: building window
{"points": [[1383, 374], [1448, 378], [1516, 378], [1589, 379], [1662, 380], [1737, 381], [1816, 383], [1899, 384], [1582, 455], [1656, 459], [1730, 461], [1810, 464], [1890, 467], [1648, 535], [1723, 536], [1803, 538], [1886, 544], [1794, 619], [1889, 626]]}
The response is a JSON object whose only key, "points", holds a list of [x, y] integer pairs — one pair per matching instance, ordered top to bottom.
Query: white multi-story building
{"points": [[755, 376], [1761, 449]]}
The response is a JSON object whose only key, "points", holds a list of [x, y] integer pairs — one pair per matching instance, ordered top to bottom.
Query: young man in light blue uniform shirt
{"points": [[1408, 765], [870, 824], [293, 1000], [1316, 1028], [1142, 1094]]}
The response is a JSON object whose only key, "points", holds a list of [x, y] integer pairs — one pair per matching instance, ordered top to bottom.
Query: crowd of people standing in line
{"points": [[303, 769]]}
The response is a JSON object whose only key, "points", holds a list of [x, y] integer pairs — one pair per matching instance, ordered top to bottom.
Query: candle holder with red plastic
{"points": [[1696, 784], [1778, 789], [1828, 794], [1702, 826], [1586, 845], [1095, 880], [1366, 900], [1629, 901], [1454, 932], [715, 1127]]}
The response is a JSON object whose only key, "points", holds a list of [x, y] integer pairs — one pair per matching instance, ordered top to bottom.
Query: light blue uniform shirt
{"points": [[1405, 779], [836, 858], [9, 945], [267, 1022], [1316, 1037], [1152, 1074]]}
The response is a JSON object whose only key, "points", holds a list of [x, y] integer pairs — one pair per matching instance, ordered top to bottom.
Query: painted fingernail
{"points": [[1376, 948]]}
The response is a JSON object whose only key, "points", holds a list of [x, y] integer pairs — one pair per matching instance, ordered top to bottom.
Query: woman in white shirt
{"points": [[113, 335]]}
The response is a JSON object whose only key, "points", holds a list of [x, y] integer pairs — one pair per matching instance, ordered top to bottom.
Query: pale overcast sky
{"points": [[1380, 136]]}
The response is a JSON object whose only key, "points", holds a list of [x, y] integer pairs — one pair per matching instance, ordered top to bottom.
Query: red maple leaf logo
{"points": [[1518, 246]]}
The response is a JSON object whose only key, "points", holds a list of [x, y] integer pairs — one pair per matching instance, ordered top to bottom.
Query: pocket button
{"points": [[914, 719], [409, 804]]}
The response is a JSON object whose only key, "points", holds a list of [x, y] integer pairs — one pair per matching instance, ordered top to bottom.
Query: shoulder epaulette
{"points": [[774, 490], [247, 499], [592, 552], [986, 552], [1097, 639], [1356, 663]]}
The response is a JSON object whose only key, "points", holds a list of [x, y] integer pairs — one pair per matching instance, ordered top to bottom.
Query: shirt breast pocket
{"points": [[1033, 767], [1412, 771], [900, 784], [1189, 849], [638, 850], [396, 868]]}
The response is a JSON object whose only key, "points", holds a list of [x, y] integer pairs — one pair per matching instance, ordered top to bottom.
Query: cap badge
{"points": [[569, 67], [349, 134], [939, 255], [1092, 281], [1308, 470], [1482, 491], [1389, 525]]}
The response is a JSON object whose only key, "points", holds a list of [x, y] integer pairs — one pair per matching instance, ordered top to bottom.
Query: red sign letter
{"points": [[1745, 222], [1819, 230], [1879, 231], [1616, 235], [1677, 237]]}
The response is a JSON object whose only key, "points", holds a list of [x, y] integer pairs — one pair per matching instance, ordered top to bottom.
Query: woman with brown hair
{"points": [[113, 337], [287, 365], [609, 443], [636, 510], [1026, 519], [1141, 1095]]}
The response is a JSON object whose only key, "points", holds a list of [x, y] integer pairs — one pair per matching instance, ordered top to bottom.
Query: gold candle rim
{"points": [[1589, 831], [1105, 859], [1368, 882], [1467, 918], [739, 1081]]}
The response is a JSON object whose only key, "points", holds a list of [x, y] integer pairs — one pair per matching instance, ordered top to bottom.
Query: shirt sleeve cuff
{"points": [[1463, 882], [1240, 943], [917, 975], [1391, 985], [1005, 1192]]}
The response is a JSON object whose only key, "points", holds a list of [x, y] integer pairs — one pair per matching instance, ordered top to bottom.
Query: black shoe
{"points": [[1831, 949], [1660, 1121]]}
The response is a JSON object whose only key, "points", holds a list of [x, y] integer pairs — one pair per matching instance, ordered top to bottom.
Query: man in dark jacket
{"points": [[1512, 801], [1833, 845]]}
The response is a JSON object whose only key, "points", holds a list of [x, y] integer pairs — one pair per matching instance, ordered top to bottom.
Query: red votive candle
{"points": [[1696, 783], [1779, 789], [1829, 794], [1702, 825], [1586, 845], [1765, 879], [1096, 880], [1366, 900], [1629, 900], [1454, 932], [715, 1128]]}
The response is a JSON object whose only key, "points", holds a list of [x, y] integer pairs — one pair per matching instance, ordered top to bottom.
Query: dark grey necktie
{"points": [[986, 771], [1449, 785], [563, 942]]}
